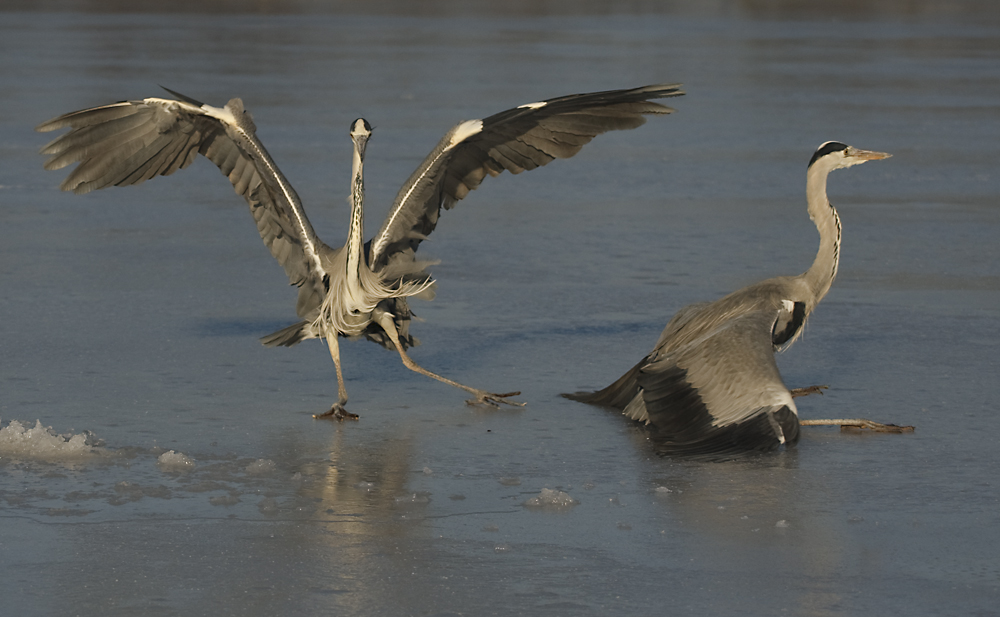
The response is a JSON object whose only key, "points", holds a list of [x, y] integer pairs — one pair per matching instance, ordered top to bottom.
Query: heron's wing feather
{"points": [[515, 140], [132, 141], [724, 379], [617, 395], [758, 433]]}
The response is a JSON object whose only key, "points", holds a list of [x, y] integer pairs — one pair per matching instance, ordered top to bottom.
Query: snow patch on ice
{"points": [[41, 443], [175, 462], [550, 498]]}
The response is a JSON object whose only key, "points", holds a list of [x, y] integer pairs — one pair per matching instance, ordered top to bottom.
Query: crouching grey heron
{"points": [[360, 289], [711, 385]]}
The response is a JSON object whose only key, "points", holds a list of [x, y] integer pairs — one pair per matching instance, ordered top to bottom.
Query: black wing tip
{"points": [[663, 90], [624, 95], [186, 99], [682, 424], [748, 438], [717, 447]]}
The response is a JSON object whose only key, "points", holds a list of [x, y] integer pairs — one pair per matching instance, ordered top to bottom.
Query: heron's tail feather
{"points": [[286, 337], [616, 395]]}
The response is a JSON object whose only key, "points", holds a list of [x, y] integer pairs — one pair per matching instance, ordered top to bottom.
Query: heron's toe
{"points": [[797, 392], [495, 400], [337, 412], [878, 427]]}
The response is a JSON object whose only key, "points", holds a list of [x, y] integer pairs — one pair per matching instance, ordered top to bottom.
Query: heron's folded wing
{"points": [[515, 140], [132, 141], [722, 391]]}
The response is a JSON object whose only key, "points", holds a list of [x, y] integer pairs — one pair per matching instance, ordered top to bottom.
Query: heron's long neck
{"points": [[355, 237], [824, 268]]}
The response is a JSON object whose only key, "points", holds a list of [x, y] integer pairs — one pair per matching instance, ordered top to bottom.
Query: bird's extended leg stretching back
{"points": [[350, 307]]}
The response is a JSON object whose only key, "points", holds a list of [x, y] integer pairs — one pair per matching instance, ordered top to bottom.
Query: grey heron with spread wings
{"points": [[360, 289], [711, 385]]}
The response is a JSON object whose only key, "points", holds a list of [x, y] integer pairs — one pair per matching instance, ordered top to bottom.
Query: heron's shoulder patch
{"points": [[464, 131]]}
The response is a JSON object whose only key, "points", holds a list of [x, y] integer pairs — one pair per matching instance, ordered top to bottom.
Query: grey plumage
{"points": [[356, 289], [711, 385]]}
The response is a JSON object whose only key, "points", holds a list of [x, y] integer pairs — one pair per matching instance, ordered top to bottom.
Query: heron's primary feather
{"points": [[515, 140]]}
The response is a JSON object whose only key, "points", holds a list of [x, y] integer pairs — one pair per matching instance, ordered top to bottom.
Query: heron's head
{"points": [[361, 131], [836, 155]]}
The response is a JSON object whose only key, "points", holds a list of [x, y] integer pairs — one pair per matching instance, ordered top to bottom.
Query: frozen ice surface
{"points": [[134, 314], [41, 443], [175, 462], [261, 467], [551, 498], [413, 499], [224, 500], [268, 505]]}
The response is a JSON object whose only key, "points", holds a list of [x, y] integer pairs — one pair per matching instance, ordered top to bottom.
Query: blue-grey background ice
{"points": [[131, 317]]}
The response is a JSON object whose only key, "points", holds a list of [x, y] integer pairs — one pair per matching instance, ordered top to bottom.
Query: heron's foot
{"points": [[796, 392], [494, 400], [337, 412], [859, 424]]}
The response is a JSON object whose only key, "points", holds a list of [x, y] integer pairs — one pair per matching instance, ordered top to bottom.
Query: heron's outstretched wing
{"points": [[522, 138], [132, 141], [721, 392]]}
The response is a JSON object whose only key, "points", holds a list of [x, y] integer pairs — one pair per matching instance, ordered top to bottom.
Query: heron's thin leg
{"points": [[796, 392], [482, 396], [337, 410], [859, 423]]}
